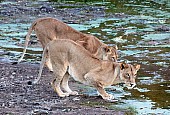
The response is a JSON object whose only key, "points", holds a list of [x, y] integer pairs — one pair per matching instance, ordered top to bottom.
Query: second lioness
{"points": [[47, 29], [70, 59]]}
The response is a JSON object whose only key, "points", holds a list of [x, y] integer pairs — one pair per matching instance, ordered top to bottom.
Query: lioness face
{"points": [[110, 53], [129, 74]]}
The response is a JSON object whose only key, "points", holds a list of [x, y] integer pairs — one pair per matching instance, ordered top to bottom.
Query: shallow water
{"points": [[141, 30]]}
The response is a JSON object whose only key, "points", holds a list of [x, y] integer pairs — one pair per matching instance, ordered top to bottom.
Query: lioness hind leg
{"points": [[48, 63], [59, 73], [65, 86], [58, 90]]}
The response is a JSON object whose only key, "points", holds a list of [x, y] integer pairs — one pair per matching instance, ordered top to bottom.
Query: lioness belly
{"points": [[76, 76]]}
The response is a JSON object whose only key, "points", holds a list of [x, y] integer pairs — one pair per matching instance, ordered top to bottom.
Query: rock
{"points": [[162, 28], [76, 99], [39, 112]]}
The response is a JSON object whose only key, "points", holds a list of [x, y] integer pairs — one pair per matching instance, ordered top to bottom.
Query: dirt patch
{"points": [[17, 97]]}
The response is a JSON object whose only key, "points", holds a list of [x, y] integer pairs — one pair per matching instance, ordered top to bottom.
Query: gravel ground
{"points": [[19, 98]]}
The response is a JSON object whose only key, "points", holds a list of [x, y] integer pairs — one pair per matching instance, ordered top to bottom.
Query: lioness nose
{"points": [[114, 59], [132, 84]]}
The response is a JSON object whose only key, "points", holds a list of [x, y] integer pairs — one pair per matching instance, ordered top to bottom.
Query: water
{"points": [[141, 29]]}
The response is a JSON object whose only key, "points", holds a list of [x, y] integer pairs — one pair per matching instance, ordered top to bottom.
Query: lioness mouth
{"points": [[121, 84], [132, 86], [128, 87]]}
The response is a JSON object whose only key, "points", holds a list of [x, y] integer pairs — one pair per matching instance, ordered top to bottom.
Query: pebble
{"points": [[76, 99], [39, 112]]}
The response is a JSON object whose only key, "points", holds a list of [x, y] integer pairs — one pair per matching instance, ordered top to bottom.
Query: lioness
{"points": [[47, 29], [69, 58]]}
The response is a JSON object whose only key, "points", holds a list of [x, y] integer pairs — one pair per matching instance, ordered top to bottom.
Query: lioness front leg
{"points": [[91, 80], [65, 86], [103, 93]]}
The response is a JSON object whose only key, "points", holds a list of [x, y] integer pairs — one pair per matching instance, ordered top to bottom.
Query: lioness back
{"points": [[50, 28], [56, 29], [70, 51]]}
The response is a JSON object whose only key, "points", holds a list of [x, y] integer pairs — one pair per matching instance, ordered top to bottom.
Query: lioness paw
{"points": [[74, 93], [64, 95], [108, 97], [111, 97]]}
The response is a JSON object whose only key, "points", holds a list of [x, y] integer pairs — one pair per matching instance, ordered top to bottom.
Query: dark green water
{"points": [[141, 29]]}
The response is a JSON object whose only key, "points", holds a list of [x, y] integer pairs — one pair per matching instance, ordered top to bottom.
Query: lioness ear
{"points": [[82, 43], [115, 47], [107, 49], [123, 66], [137, 67]]}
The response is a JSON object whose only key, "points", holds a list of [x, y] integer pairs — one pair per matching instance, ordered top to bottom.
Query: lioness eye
{"points": [[113, 58], [127, 75]]}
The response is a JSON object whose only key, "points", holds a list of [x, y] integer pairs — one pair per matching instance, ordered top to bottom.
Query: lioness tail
{"points": [[27, 40], [44, 57]]}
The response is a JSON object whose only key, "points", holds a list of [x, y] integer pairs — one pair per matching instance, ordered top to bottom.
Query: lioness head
{"points": [[107, 53], [129, 74]]}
